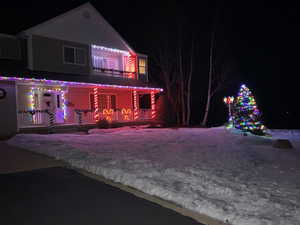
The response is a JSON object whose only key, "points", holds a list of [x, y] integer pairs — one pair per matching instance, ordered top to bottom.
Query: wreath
{"points": [[2, 93]]}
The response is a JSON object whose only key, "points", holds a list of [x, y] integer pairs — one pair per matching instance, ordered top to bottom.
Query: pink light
{"points": [[130, 65], [82, 84], [96, 104], [135, 106], [153, 111]]}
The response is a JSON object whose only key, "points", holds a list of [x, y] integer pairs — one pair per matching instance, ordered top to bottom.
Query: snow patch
{"points": [[225, 175]]}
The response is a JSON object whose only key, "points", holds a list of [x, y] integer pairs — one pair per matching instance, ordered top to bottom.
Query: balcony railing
{"points": [[116, 73]]}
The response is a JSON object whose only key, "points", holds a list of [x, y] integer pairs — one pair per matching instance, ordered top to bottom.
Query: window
{"points": [[73, 55], [142, 66], [106, 101], [145, 101]]}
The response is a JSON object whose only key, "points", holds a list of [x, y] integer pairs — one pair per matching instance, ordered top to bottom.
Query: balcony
{"points": [[114, 62], [115, 73]]}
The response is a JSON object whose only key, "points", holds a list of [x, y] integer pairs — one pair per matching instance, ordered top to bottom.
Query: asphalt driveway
{"points": [[39, 190], [61, 196]]}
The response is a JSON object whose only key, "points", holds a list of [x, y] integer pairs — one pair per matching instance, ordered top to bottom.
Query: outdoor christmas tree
{"points": [[245, 114]]}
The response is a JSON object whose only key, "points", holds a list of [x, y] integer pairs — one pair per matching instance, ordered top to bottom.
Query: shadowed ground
{"points": [[15, 159], [61, 196]]}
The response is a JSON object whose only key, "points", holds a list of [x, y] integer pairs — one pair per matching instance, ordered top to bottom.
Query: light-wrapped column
{"points": [[96, 104], [135, 106], [153, 110]]}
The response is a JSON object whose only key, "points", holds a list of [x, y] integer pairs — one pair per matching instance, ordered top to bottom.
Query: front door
{"points": [[59, 112]]}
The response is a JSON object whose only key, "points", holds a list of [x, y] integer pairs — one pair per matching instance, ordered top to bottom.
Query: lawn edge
{"points": [[201, 218]]}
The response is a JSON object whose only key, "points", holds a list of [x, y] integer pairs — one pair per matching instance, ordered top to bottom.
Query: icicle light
{"points": [[80, 84]]}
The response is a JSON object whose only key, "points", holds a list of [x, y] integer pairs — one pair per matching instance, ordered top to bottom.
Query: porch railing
{"points": [[124, 115], [32, 118], [43, 118]]}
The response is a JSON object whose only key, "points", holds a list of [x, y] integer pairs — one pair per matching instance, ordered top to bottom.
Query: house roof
{"points": [[86, 6]]}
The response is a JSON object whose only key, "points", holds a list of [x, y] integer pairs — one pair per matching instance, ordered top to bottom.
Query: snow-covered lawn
{"points": [[234, 178]]}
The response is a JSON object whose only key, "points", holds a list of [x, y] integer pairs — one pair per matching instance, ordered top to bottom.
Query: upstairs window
{"points": [[74, 55], [142, 66]]}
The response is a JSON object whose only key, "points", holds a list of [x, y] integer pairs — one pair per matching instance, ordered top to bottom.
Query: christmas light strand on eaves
{"points": [[110, 49], [80, 84]]}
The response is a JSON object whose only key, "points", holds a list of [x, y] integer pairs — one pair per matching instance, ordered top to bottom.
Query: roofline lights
{"points": [[110, 49], [58, 82]]}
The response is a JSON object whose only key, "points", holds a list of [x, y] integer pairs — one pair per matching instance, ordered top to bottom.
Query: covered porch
{"points": [[41, 103]]}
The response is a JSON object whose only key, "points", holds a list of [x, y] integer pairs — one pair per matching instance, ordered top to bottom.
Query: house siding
{"points": [[47, 55], [79, 97], [8, 112]]}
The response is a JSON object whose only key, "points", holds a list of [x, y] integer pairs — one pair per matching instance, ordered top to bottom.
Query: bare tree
{"points": [[176, 72], [217, 77], [189, 83]]}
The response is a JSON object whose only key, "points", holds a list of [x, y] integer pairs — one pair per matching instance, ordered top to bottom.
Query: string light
{"points": [[110, 49], [130, 65], [73, 83], [32, 99], [228, 100], [96, 104], [135, 106], [153, 112], [108, 113], [126, 113], [245, 114]]}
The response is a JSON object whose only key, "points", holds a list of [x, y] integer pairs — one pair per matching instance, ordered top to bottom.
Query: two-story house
{"points": [[74, 68]]}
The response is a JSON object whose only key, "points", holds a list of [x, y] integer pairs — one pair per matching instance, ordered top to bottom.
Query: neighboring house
{"points": [[70, 69]]}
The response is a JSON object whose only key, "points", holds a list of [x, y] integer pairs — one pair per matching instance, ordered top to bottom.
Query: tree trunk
{"points": [[211, 64], [182, 91], [188, 117], [204, 121]]}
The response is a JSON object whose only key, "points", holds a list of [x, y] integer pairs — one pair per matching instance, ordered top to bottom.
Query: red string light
{"points": [[96, 104], [135, 105], [153, 111]]}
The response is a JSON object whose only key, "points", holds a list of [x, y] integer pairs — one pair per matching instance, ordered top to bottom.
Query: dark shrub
{"points": [[103, 124]]}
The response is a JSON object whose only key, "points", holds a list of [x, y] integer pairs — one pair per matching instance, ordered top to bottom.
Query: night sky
{"points": [[259, 38]]}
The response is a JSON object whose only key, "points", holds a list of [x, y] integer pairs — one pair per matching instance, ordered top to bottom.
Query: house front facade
{"points": [[72, 69]]}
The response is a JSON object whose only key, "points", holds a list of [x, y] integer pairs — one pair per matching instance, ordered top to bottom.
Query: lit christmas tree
{"points": [[245, 114]]}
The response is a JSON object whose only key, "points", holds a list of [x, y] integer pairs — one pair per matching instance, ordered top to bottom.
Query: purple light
{"points": [[57, 82]]}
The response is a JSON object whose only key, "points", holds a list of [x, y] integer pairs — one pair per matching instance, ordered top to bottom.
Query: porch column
{"points": [[96, 104], [135, 106], [153, 110]]}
